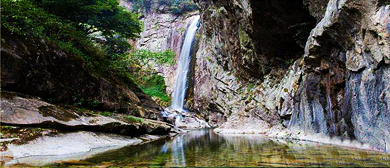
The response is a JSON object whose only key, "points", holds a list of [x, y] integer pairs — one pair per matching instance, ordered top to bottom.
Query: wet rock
{"points": [[32, 112], [185, 120], [190, 123]]}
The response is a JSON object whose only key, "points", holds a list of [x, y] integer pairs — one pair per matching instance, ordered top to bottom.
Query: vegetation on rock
{"points": [[176, 7], [68, 26], [95, 31], [144, 56], [152, 84], [132, 119]]}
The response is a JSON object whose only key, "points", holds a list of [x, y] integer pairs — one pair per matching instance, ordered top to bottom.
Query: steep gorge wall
{"points": [[162, 31], [234, 56], [310, 66], [37, 68], [337, 85], [345, 88]]}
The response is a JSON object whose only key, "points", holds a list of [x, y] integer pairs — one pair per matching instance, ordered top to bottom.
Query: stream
{"points": [[206, 148]]}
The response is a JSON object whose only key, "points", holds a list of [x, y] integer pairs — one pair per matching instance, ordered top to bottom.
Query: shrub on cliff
{"points": [[176, 7], [105, 16], [25, 18], [69, 23], [64, 25], [95, 31], [144, 56], [146, 78], [154, 86]]}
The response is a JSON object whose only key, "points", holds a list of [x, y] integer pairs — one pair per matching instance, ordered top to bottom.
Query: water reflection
{"points": [[205, 148], [178, 151]]}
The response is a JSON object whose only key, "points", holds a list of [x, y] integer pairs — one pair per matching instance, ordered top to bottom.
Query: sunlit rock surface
{"points": [[163, 31], [338, 86], [33, 112], [81, 145], [204, 148]]}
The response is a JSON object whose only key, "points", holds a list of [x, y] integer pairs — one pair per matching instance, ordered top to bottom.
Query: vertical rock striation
{"points": [[163, 31], [257, 60], [309, 66], [345, 88]]}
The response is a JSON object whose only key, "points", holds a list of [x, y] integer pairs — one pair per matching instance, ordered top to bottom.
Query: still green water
{"points": [[205, 148]]}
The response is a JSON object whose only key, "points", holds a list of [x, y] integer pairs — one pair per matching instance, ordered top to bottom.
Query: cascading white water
{"points": [[183, 67]]}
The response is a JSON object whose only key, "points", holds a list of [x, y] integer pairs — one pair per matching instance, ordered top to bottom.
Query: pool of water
{"points": [[206, 148]]}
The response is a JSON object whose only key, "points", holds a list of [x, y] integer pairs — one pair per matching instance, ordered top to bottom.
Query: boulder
{"points": [[33, 112]]}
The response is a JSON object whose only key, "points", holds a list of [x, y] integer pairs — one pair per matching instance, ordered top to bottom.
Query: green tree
{"points": [[92, 16]]}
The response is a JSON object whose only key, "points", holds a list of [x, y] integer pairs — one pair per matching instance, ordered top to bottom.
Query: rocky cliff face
{"points": [[163, 31], [236, 51], [252, 66], [302, 66], [34, 67], [345, 84], [46, 91]]}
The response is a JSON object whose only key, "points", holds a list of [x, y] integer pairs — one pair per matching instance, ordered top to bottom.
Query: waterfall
{"points": [[183, 69]]}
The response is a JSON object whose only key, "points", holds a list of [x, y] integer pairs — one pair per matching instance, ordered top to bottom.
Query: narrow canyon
{"points": [[195, 83]]}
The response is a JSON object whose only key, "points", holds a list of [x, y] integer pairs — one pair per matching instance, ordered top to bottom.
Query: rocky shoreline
{"points": [[33, 128], [37, 133], [297, 135], [49, 150]]}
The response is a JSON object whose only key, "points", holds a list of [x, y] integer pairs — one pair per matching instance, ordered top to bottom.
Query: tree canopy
{"points": [[95, 15], [68, 24]]}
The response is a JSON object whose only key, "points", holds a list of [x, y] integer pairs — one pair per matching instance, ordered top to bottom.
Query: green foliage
{"points": [[140, 6], [176, 7], [91, 16], [17, 17], [25, 18], [69, 25], [116, 45], [144, 56], [146, 78], [154, 86], [250, 86], [156, 92], [80, 101], [93, 103], [106, 113], [132, 119], [6, 127]]}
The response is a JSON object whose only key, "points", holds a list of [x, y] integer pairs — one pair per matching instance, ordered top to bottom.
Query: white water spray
{"points": [[183, 70]]}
